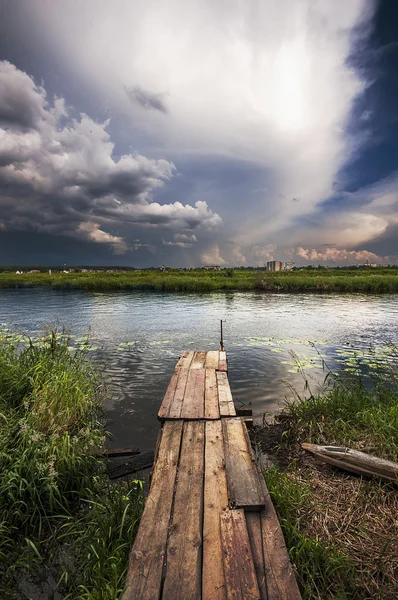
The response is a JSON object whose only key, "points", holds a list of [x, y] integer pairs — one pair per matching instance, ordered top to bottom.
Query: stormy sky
{"points": [[191, 132]]}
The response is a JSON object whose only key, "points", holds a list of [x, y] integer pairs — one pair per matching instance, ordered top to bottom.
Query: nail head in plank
{"points": [[186, 359], [212, 359], [199, 360], [223, 366], [169, 395], [194, 399], [225, 400], [176, 405], [212, 410], [246, 485], [215, 501], [253, 522], [184, 546], [147, 555], [239, 570], [280, 577]]}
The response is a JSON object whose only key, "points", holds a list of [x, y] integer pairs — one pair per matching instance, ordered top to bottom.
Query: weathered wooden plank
{"points": [[185, 359], [212, 359], [198, 361], [223, 366], [169, 395], [194, 399], [225, 400], [176, 405], [212, 410], [244, 411], [116, 452], [355, 461], [136, 463], [246, 486], [215, 501], [253, 522], [184, 546], [147, 555], [239, 570], [281, 581]]}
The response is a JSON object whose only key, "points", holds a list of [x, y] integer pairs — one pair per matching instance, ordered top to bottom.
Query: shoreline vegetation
{"points": [[368, 280], [64, 528], [341, 530]]}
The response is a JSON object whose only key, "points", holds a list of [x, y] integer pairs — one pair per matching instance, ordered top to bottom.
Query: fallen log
{"points": [[355, 461], [137, 463]]}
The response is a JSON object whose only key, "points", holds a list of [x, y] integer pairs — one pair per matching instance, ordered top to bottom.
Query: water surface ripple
{"points": [[139, 336]]}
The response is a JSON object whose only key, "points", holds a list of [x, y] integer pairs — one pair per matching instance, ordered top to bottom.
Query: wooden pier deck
{"points": [[209, 530]]}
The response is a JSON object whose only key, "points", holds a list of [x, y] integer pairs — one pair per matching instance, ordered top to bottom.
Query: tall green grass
{"points": [[201, 281], [352, 413], [60, 519]]}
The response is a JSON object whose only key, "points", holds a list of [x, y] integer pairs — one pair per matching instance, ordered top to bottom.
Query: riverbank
{"points": [[371, 280], [64, 528], [341, 530]]}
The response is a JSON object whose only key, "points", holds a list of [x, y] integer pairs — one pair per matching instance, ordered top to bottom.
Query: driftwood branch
{"points": [[115, 452], [355, 461], [133, 465]]}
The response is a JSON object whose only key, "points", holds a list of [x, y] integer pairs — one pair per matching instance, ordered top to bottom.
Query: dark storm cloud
{"points": [[146, 99], [21, 104], [58, 174]]}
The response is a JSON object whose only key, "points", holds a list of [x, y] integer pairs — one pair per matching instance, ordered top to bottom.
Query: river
{"points": [[138, 336]]}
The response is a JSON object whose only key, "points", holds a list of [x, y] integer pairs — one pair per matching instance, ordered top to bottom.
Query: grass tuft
{"points": [[60, 518]]}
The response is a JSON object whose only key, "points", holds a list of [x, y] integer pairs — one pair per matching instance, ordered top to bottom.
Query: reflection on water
{"points": [[140, 335]]}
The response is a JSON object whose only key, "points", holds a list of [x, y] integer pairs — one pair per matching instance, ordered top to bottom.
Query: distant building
{"points": [[277, 265], [212, 267]]}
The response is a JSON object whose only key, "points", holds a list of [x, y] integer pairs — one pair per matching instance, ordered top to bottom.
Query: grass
{"points": [[375, 280], [350, 412], [62, 524], [341, 530], [323, 571]]}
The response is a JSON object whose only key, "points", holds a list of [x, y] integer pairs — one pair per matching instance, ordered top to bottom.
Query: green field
{"points": [[372, 280]]}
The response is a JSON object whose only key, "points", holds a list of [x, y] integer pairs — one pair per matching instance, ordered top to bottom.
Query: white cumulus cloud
{"points": [[212, 256]]}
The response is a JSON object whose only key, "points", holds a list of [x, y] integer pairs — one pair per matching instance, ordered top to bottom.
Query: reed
{"points": [[61, 523]]}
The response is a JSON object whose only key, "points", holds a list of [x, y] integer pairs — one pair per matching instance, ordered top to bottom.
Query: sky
{"points": [[193, 132]]}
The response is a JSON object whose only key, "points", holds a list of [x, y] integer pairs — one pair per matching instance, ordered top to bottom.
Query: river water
{"points": [[138, 336]]}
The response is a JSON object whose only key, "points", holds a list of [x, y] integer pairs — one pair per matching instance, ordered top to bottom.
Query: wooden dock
{"points": [[209, 530]]}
